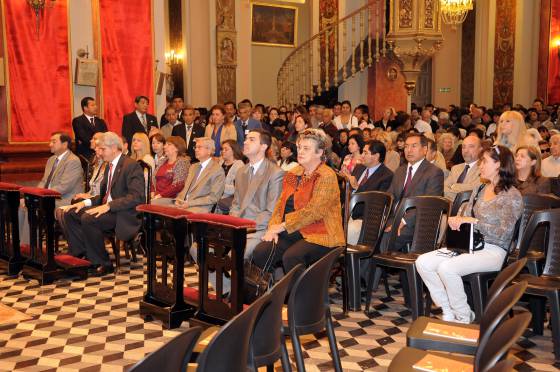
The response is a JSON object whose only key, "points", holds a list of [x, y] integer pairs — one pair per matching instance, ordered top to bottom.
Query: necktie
{"points": [[92, 122], [144, 122], [188, 136], [51, 173], [251, 173], [463, 174], [364, 180], [408, 180], [108, 192]]}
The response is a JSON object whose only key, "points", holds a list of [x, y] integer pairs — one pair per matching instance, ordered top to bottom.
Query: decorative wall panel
{"points": [[328, 15], [226, 50], [504, 52]]}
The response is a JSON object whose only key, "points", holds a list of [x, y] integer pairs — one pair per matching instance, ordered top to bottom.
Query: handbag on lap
{"points": [[258, 280]]}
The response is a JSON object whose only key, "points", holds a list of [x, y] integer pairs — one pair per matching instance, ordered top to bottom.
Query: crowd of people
{"points": [[282, 168]]}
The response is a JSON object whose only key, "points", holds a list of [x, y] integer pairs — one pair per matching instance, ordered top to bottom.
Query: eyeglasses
{"points": [[544, 151]]}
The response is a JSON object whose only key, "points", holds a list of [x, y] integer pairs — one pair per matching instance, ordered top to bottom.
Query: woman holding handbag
{"points": [[493, 211], [307, 219]]}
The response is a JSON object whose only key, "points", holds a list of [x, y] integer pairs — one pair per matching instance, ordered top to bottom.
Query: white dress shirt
{"points": [[112, 169]]}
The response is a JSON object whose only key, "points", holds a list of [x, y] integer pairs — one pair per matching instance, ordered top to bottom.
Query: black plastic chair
{"points": [[460, 199], [377, 207], [429, 214], [535, 253], [547, 285], [501, 305], [309, 310], [268, 344], [229, 350], [487, 355], [171, 357], [505, 365]]}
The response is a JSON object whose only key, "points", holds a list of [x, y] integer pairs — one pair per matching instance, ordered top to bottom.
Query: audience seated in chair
{"points": [[231, 161], [528, 167], [171, 169], [63, 173], [371, 175], [464, 176], [417, 177], [204, 184], [122, 190], [493, 210], [306, 223]]}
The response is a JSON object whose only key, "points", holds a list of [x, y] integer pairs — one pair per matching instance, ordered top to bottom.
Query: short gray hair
{"points": [[443, 115], [318, 136], [111, 139], [209, 142]]}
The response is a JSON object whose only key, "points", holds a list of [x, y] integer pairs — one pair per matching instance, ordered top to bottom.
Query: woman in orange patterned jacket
{"points": [[307, 219]]}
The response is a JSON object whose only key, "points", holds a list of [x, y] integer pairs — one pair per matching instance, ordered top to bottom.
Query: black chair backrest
{"points": [[148, 178], [460, 199], [532, 203], [377, 208], [429, 212], [550, 217], [504, 278], [309, 296], [498, 309], [268, 329], [501, 341], [229, 349], [171, 357], [504, 366]]}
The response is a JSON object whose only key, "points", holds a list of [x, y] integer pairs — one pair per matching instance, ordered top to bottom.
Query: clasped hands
{"points": [[95, 212], [272, 233]]}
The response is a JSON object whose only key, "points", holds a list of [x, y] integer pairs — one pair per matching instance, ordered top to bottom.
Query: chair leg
{"points": [[117, 252], [533, 267], [353, 282], [345, 283], [386, 283], [369, 289], [416, 291], [478, 296], [554, 299], [537, 306], [428, 308], [332, 342], [296, 344], [286, 366], [270, 368]]}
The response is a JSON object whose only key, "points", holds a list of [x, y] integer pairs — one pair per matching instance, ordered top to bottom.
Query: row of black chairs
{"points": [[256, 336]]}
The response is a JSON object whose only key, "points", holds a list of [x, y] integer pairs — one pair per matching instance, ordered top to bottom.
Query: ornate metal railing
{"points": [[334, 55]]}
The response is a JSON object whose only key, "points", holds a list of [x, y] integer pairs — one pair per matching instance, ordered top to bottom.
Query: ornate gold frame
{"points": [[294, 8]]}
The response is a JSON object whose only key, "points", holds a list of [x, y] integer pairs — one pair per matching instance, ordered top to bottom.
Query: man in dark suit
{"points": [[177, 103], [139, 120], [245, 122], [85, 126], [189, 131], [371, 175], [417, 177], [122, 189]]}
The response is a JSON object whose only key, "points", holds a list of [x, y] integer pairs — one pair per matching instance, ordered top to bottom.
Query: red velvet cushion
{"points": [[5, 186], [39, 191], [165, 211], [222, 220], [25, 249], [68, 260], [191, 294]]}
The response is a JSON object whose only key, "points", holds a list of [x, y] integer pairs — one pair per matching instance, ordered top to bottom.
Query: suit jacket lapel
{"points": [[58, 166], [117, 171], [417, 176], [202, 177], [253, 186]]}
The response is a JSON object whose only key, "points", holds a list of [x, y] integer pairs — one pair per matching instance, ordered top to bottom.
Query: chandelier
{"points": [[38, 6], [454, 12]]}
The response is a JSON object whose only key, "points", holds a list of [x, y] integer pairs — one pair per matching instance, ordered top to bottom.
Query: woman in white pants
{"points": [[493, 209]]}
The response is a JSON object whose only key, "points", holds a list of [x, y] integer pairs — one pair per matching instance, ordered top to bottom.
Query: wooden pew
{"points": [[10, 255]]}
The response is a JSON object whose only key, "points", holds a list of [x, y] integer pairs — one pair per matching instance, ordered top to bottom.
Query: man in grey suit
{"points": [[63, 173], [464, 176], [418, 177], [205, 181], [257, 186]]}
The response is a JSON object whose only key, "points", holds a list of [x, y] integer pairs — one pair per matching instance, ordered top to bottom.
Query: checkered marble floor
{"points": [[94, 325]]}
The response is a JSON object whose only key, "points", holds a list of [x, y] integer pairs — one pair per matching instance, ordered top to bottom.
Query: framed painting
{"points": [[273, 25]]}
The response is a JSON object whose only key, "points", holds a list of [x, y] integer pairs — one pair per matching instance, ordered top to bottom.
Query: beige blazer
{"points": [[228, 132], [67, 179], [451, 188], [204, 191], [256, 200]]}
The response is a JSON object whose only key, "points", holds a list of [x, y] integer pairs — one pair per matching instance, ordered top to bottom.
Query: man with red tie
{"points": [[122, 189]]}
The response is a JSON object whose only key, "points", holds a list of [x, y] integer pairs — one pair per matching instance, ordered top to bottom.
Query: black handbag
{"points": [[458, 241], [257, 279]]}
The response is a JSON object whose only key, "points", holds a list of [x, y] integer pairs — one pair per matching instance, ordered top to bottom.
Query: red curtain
{"points": [[554, 55], [127, 58], [38, 71]]}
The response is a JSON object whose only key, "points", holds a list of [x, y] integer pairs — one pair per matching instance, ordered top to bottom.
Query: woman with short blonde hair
{"points": [[512, 131], [140, 149]]}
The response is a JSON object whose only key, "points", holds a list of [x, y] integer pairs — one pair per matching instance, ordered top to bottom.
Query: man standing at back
{"points": [[139, 120], [245, 122], [85, 126], [189, 131]]}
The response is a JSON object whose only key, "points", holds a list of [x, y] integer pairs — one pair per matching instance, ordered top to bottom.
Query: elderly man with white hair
{"points": [[550, 166], [122, 190]]}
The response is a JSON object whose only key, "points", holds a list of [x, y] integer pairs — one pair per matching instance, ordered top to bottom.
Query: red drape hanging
{"points": [[127, 58], [38, 71]]}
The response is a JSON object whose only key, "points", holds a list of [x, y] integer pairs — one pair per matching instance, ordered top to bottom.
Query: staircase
{"points": [[314, 70]]}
